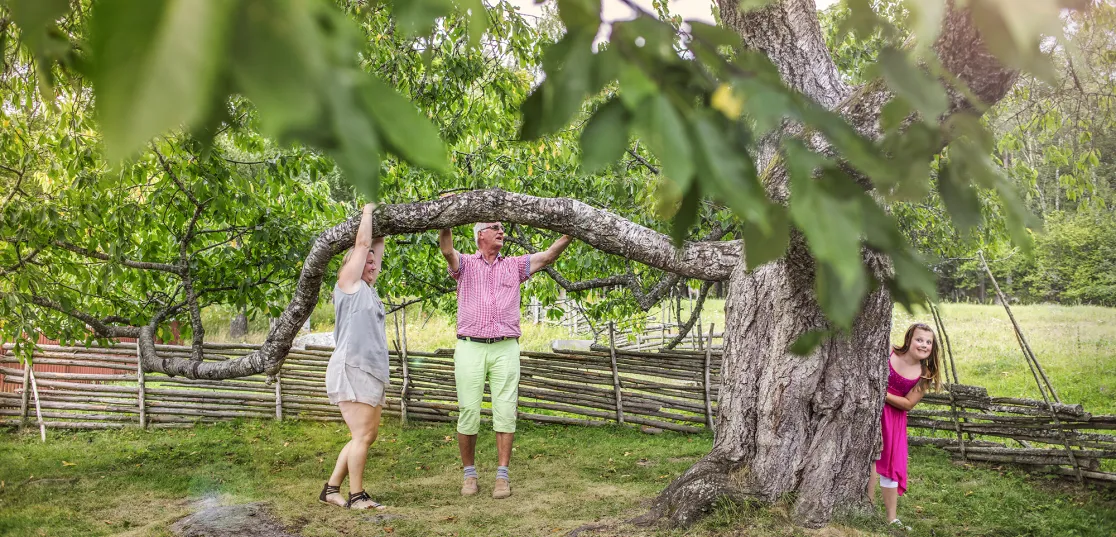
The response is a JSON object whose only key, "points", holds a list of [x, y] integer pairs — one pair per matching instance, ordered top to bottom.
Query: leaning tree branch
{"points": [[710, 260], [694, 314], [101, 327]]}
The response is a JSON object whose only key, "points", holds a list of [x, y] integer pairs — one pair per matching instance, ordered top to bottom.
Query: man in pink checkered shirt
{"points": [[488, 341]]}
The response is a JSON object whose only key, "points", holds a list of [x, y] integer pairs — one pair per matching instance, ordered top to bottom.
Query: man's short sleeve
{"points": [[462, 260], [523, 264]]}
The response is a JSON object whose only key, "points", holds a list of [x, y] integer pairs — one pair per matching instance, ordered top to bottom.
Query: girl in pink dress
{"points": [[912, 371]]}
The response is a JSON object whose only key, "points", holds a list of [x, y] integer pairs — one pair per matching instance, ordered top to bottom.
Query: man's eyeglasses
{"points": [[493, 227]]}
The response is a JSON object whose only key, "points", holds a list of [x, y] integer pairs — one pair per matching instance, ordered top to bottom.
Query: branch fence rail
{"points": [[673, 390]]}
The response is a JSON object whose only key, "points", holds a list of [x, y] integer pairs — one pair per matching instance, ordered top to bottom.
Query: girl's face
{"points": [[922, 342]]}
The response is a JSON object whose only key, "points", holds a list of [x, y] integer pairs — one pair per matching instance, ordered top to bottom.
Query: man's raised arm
{"points": [[445, 243], [540, 260]]}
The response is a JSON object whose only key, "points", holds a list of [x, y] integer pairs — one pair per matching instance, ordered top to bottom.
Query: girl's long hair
{"points": [[931, 370]]}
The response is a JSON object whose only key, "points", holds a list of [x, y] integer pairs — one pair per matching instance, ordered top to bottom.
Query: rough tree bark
{"points": [[711, 260], [804, 427]]}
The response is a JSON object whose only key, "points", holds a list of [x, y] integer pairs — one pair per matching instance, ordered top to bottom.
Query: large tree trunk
{"points": [[789, 424], [792, 426]]}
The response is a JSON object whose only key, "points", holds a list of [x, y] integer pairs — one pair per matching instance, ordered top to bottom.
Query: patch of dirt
{"points": [[243, 520]]}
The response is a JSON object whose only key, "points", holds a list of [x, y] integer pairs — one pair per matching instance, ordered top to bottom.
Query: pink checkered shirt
{"points": [[488, 294]]}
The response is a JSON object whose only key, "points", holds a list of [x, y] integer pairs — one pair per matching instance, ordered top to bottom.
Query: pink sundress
{"points": [[892, 463]]}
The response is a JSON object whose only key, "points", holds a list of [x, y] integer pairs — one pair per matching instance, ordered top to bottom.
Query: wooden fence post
{"points": [[708, 361], [615, 374], [404, 393], [141, 397], [279, 397], [25, 400], [38, 410]]}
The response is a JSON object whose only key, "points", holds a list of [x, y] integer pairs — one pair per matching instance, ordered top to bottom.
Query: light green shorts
{"points": [[499, 362]]}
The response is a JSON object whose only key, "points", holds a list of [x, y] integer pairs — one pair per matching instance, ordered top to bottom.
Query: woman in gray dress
{"points": [[357, 375]]}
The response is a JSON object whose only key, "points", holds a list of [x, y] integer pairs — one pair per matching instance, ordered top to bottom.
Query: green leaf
{"points": [[749, 5], [580, 13], [417, 17], [478, 19], [927, 20], [36, 21], [714, 35], [278, 63], [155, 66], [569, 66], [635, 86], [923, 92], [894, 113], [967, 125], [660, 127], [531, 128], [404, 131], [605, 136], [354, 145], [729, 173], [959, 196], [687, 214], [1019, 219], [831, 221], [763, 246], [839, 297], [809, 340]]}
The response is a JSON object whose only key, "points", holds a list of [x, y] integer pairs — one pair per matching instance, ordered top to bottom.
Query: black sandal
{"points": [[330, 489], [367, 501]]}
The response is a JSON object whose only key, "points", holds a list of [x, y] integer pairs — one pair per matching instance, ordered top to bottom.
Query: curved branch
{"points": [[605, 231], [710, 260], [100, 326], [684, 330]]}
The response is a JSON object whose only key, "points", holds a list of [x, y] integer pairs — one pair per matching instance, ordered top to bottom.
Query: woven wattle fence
{"points": [[672, 390]]}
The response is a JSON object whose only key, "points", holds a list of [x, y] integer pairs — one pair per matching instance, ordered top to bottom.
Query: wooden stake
{"points": [[1033, 362], [615, 374], [705, 385], [405, 393], [25, 397], [279, 397], [141, 399], [38, 411]]}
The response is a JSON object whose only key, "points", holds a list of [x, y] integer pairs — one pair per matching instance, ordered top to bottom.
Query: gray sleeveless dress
{"points": [[358, 368]]}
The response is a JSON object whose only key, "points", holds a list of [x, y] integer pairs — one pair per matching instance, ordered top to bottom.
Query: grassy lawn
{"points": [[1076, 346], [137, 483]]}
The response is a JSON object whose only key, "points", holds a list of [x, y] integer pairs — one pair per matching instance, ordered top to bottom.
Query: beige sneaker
{"points": [[469, 487], [502, 489]]}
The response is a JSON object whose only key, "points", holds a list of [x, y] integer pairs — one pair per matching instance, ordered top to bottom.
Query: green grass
{"points": [[1076, 346], [134, 482]]}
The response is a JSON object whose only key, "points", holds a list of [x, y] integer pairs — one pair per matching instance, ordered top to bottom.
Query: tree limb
{"points": [[144, 265], [100, 326], [684, 330]]}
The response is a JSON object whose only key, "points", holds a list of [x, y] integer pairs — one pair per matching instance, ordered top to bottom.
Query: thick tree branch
{"points": [[705, 260]]}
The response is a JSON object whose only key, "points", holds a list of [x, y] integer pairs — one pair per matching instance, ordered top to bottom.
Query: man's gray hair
{"points": [[477, 228]]}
